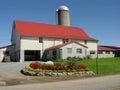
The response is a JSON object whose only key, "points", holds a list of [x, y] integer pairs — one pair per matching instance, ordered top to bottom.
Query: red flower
{"points": [[35, 66], [81, 67]]}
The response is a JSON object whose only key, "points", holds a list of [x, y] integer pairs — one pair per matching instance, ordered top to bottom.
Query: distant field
{"points": [[105, 65]]}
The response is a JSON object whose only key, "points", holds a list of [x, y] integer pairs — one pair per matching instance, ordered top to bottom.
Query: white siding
{"points": [[16, 41], [48, 42], [82, 42], [29, 43], [32, 43], [92, 46], [74, 47], [10, 49], [2, 54], [104, 55]]}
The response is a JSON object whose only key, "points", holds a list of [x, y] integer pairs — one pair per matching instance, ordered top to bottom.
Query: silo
{"points": [[62, 16]]}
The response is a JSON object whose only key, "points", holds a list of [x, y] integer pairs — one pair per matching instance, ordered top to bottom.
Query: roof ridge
{"points": [[46, 24], [64, 44]]}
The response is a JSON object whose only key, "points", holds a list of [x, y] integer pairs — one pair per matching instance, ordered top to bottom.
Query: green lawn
{"points": [[105, 65]]}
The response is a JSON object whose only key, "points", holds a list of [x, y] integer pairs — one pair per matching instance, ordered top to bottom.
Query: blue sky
{"points": [[99, 18]]}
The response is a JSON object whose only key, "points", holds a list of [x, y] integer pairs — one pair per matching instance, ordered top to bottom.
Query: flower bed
{"points": [[56, 67], [37, 69]]}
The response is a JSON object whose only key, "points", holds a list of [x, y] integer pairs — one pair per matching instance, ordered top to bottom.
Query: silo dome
{"points": [[63, 8]]}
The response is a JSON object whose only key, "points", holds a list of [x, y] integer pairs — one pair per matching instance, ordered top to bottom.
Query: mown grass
{"points": [[105, 65]]}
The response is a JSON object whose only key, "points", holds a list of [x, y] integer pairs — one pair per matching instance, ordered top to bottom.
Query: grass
{"points": [[105, 65]]}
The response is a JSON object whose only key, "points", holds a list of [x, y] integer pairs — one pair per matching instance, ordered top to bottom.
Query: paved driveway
{"points": [[12, 66]]}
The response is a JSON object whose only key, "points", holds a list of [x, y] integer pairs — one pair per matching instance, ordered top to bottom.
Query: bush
{"points": [[88, 57], [72, 61], [57, 63]]}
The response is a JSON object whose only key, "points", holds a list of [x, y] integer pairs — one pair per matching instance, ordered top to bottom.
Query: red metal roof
{"points": [[47, 30], [64, 44], [102, 47], [114, 47]]}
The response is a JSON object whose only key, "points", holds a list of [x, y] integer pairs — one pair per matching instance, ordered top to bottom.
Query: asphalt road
{"points": [[97, 83]]}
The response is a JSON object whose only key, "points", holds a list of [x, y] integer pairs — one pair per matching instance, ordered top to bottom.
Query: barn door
{"points": [[32, 55]]}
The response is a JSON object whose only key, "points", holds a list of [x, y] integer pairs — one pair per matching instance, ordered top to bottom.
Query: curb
{"points": [[2, 83], [117, 88]]}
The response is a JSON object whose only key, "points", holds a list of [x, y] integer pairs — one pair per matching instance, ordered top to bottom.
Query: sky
{"points": [[100, 19]]}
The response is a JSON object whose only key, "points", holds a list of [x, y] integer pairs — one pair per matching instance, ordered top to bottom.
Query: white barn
{"points": [[32, 41], [35, 41]]}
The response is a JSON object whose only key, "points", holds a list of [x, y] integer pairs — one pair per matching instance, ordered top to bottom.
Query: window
{"points": [[40, 40], [65, 40], [85, 41], [69, 50], [79, 50], [60, 51], [6, 52], [47, 52], [54, 52], [92, 52], [100, 52], [107, 52], [113, 52], [32, 55]]}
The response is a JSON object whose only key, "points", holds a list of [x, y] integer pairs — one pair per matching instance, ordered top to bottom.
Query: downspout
{"points": [[42, 50], [85, 52]]}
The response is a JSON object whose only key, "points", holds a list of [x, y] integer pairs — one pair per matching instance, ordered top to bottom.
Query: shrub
{"points": [[88, 57], [72, 62], [57, 63]]}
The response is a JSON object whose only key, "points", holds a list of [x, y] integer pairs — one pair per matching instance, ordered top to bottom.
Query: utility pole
{"points": [[97, 63]]}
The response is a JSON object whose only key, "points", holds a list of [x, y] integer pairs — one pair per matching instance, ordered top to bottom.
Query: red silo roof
{"points": [[47, 30]]}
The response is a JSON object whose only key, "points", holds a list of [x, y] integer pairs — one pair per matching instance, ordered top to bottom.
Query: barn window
{"points": [[40, 40], [65, 40], [85, 41], [69, 50], [79, 50], [92, 52], [100, 52], [107, 52], [113, 52], [32, 55]]}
